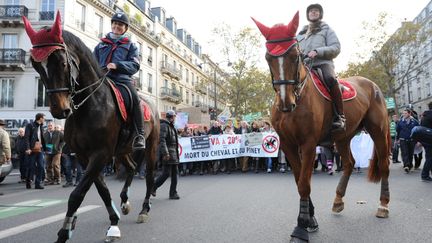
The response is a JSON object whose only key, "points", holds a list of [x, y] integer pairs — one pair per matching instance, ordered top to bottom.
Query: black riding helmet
{"points": [[316, 5], [120, 17], [170, 114]]}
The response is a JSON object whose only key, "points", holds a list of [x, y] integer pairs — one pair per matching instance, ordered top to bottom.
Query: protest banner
{"points": [[214, 147]]}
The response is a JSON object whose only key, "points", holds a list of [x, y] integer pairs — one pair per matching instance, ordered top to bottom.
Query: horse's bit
{"points": [[73, 74]]}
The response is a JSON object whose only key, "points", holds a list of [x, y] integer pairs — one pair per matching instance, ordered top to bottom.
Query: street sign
{"points": [[390, 102]]}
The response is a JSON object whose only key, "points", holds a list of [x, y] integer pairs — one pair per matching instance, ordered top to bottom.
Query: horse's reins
{"points": [[72, 80], [299, 85]]}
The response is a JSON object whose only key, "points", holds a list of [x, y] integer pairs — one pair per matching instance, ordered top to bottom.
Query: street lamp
{"points": [[215, 87]]}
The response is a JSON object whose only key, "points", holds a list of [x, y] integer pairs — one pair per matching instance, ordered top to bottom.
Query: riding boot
{"points": [[339, 120], [139, 140]]}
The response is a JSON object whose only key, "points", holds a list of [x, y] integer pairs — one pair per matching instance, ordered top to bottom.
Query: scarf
{"points": [[313, 28]]}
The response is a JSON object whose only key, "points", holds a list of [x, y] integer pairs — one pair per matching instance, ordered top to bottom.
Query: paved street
{"points": [[227, 208]]}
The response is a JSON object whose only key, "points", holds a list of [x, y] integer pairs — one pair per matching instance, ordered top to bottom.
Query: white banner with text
{"points": [[214, 147]]}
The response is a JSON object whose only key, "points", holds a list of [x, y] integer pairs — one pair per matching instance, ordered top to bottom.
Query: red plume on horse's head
{"points": [[279, 32], [44, 36]]}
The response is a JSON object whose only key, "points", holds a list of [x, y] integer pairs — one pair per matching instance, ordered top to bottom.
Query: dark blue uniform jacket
{"points": [[121, 52]]}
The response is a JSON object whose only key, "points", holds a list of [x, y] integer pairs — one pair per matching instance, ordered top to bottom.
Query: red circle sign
{"points": [[270, 144], [180, 149]]}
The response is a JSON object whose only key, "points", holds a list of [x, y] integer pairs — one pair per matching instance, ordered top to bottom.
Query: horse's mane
{"points": [[73, 41]]}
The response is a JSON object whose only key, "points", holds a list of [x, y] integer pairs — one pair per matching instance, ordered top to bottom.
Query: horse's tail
{"points": [[375, 174]]}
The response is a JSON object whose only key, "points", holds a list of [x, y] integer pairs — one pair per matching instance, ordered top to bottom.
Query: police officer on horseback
{"points": [[321, 44], [120, 56]]}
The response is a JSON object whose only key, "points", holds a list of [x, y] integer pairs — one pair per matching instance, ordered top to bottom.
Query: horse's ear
{"points": [[293, 25], [28, 28], [56, 28], [264, 29]]}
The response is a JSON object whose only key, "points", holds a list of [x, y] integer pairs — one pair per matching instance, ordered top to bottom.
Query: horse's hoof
{"points": [[125, 207], [338, 207], [383, 212], [143, 218], [313, 225], [113, 234], [111, 239], [297, 240]]}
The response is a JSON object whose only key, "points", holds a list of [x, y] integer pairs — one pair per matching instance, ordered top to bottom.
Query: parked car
{"points": [[5, 170]]}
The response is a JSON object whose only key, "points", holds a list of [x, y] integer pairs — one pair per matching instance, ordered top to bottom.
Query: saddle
{"points": [[348, 91], [123, 98]]}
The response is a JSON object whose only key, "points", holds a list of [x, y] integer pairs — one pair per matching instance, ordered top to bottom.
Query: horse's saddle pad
{"points": [[348, 91], [123, 100]]}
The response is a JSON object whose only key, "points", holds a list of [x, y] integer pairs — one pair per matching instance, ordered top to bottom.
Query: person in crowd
{"points": [[320, 44], [120, 57], [426, 121], [267, 128], [215, 129], [403, 130], [54, 143], [395, 144], [35, 145], [20, 148], [169, 155], [418, 155], [337, 159], [256, 160], [244, 161], [71, 162], [228, 164], [203, 165], [186, 168]]}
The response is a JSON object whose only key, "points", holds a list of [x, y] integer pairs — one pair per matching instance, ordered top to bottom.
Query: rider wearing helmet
{"points": [[321, 44], [120, 56], [169, 155]]}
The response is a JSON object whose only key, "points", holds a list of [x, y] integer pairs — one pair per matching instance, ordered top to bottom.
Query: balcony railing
{"points": [[109, 3], [13, 11], [46, 15], [12, 59], [170, 70], [201, 88], [170, 94]]}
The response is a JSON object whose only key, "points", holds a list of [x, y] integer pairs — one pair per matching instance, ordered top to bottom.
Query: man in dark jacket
{"points": [[120, 56], [426, 121], [403, 129], [33, 139], [54, 143], [20, 148], [169, 155]]}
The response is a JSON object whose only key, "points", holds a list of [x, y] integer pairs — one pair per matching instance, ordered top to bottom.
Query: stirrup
{"points": [[339, 123], [138, 142]]}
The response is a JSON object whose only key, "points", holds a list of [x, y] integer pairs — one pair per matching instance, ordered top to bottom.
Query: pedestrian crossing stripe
{"points": [[9, 210]]}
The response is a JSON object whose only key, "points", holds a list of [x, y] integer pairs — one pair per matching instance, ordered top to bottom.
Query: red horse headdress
{"points": [[279, 37], [39, 52]]}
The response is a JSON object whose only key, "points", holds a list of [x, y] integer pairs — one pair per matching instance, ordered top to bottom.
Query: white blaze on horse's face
{"points": [[44, 64], [282, 77]]}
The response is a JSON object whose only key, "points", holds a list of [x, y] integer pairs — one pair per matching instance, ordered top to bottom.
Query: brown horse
{"points": [[80, 93], [303, 118]]}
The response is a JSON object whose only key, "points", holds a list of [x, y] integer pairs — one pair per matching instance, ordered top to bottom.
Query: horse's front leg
{"points": [[75, 200], [306, 219], [113, 232]]}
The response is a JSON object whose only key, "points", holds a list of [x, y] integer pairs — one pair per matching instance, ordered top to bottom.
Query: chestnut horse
{"points": [[79, 92], [303, 118]]}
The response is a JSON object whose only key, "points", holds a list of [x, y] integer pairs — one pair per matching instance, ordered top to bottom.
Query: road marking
{"points": [[8, 210], [41, 222]]}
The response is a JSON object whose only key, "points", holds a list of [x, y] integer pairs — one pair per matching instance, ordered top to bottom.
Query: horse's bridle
{"points": [[73, 75], [299, 84]]}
